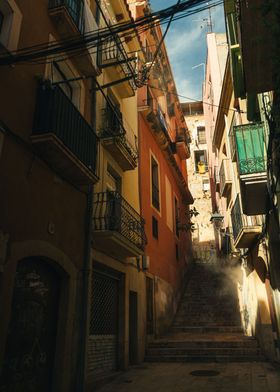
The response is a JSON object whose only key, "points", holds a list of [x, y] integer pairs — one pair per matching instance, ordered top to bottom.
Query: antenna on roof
{"points": [[206, 22]]}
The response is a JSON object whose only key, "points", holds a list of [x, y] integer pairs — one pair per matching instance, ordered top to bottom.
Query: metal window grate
{"points": [[104, 305]]}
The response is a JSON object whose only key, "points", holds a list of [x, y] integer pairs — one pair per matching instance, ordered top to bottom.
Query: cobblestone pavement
{"points": [[176, 377]]}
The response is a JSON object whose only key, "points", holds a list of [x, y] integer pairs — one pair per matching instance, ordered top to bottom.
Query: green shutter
{"points": [[250, 148]]}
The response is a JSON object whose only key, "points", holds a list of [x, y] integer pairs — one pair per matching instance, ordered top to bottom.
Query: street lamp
{"points": [[217, 220]]}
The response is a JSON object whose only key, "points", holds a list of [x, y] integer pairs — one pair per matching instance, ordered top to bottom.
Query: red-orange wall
{"points": [[162, 253]]}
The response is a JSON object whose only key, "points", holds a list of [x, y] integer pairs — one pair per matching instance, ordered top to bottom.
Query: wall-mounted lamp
{"points": [[217, 219]]}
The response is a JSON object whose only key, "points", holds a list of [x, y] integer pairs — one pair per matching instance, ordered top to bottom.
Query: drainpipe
{"points": [[81, 365]]}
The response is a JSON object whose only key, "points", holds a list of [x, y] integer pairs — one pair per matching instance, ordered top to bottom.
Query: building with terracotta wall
{"points": [[48, 165], [165, 197]]}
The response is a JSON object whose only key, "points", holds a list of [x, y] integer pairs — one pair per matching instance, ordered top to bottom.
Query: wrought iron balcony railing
{"points": [[75, 9], [113, 53], [56, 114], [112, 127], [250, 145], [111, 212], [241, 222]]}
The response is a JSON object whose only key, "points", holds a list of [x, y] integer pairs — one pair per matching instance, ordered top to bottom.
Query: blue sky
{"points": [[186, 46]]}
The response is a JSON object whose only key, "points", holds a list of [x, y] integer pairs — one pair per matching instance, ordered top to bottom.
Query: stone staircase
{"points": [[207, 326]]}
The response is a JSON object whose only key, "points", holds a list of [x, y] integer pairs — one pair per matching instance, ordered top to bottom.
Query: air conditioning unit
{"points": [[145, 262]]}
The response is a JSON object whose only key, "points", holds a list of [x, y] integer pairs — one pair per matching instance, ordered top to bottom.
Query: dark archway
{"points": [[31, 340]]}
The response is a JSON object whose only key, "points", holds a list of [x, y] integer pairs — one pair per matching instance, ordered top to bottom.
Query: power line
{"points": [[83, 42], [148, 70], [196, 100]]}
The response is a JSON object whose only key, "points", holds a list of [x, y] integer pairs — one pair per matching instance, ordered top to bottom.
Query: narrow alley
{"points": [[139, 196], [206, 349]]}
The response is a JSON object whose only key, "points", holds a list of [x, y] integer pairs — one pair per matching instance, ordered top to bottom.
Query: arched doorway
{"points": [[31, 340]]}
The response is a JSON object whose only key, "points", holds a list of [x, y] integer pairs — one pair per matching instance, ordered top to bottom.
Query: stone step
{"points": [[206, 329], [250, 343], [201, 351], [200, 358]]}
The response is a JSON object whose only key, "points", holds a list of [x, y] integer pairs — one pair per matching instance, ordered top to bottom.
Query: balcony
{"points": [[68, 16], [112, 55], [171, 109], [159, 125], [63, 137], [120, 143], [182, 144], [251, 161], [225, 177], [117, 228], [245, 228]]}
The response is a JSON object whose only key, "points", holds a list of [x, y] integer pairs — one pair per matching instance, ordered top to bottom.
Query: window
{"points": [[10, 24], [61, 73], [58, 75], [201, 136], [200, 161], [114, 181], [155, 184], [205, 185], [176, 217], [155, 227]]}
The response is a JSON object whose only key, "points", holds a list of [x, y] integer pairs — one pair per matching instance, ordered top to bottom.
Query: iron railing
{"points": [[75, 9], [113, 53], [55, 113], [162, 120], [112, 128], [250, 144], [224, 174], [112, 212], [241, 221]]}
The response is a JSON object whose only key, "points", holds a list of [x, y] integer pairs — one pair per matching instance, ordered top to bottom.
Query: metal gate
{"points": [[104, 323], [30, 348]]}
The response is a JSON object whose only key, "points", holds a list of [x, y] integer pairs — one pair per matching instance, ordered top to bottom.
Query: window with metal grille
{"points": [[201, 135], [155, 183], [155, 227], [104, 305]]}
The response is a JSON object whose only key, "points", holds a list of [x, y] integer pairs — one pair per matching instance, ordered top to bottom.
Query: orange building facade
{"points": [[164, 194]]}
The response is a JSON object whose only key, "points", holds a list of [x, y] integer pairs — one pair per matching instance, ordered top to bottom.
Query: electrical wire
{"points": [[84, 41], [147, 71], [195, 100]]}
